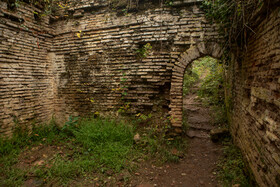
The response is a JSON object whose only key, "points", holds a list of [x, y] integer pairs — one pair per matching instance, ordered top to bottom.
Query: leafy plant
{"points": [[169, 3], [125, 12], [234, 18], [144, 51], [190, 78], [211, 90], [70, 125], [155, 143], [231, 168]]}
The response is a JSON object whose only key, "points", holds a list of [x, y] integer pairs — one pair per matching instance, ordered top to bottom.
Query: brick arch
{"points": [[176, 91]]}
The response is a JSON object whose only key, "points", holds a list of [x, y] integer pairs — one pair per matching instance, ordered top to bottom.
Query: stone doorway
{"points": [[176, 92]]}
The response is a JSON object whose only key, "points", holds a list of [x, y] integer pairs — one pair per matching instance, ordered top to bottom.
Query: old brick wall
{"points": [[95, 55], [25, 76], [255, 101]]}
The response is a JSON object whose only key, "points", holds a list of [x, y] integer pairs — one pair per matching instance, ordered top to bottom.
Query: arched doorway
{"points": [[176, 92]]}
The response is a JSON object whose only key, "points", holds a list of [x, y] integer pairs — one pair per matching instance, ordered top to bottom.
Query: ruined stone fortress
{"points": [[87, 60]]}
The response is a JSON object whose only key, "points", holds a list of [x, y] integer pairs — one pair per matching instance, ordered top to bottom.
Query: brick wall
{"points": [[96, 49], [25, 76], [255, 118]]}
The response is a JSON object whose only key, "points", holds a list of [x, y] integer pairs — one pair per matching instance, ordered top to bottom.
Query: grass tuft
{"points": [[108, 141], [232, 169]]}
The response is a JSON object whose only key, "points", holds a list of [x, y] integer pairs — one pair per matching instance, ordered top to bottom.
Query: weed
{"points": [[169, 3], [125, 12], [144, 51], [190, 78], [70, 125], [109, 142], [156, 144], [85, 146], [12, 147], [231, 169]]}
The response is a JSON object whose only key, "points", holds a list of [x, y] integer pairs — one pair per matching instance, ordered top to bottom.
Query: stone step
{"points": [[192, 109], [198, 120], [201, 126], [197, 134]]}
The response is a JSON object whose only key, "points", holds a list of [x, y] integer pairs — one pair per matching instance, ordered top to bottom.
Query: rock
{"points": [[78, 13], [178, 130], [219, 133], [197, 134], [137, 138], [174, 152], [177, 153], [39, 163], [109, 172], [33, 182], [145, 185], [236, 185]]}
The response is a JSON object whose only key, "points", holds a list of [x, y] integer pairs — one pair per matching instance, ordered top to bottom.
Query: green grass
{"points": [[108, 141], [157, 144], [93, 145], [232, 169]]}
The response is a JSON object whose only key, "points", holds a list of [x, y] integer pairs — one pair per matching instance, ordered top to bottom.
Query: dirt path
{"points": [[197, 168]]}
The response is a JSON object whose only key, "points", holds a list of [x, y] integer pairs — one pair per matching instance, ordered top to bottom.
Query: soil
{"points": [[198, 167]]}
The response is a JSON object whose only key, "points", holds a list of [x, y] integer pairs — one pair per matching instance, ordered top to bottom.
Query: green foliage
{"points": [[169, 3], [45, 4], [125, 12], [234, 18], [144, 51], [193, 74], [209, 74], [190, 78], [212, 86], [123, 88], [211, 90], [142, 117], [70, 125], [22, 138], [106, 140], [99, 144], [156, 144], [86, 145], [10, 149], [232, 167], [11, 176]]}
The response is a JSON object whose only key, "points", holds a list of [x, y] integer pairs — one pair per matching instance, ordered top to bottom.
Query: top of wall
{"points": [[83, 4], [77, 9], [24, 18]]}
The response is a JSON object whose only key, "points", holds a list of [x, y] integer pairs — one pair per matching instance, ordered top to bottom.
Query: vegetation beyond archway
{"points": [[186, 59], [207, 74], [205, 117]]}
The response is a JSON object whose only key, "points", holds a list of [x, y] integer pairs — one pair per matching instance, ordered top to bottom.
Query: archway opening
{"points": [[178, 71], [203, 97]]}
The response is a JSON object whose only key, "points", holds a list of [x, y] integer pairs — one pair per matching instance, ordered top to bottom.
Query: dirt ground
{"points": [[198, 167]]}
